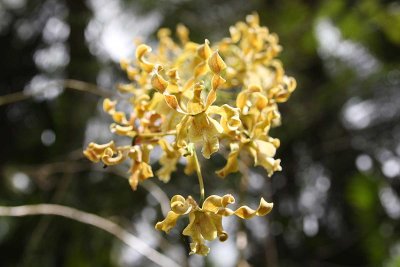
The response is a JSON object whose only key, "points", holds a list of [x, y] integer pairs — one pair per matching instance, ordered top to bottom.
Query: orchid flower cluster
{"points": [[186, 95]]}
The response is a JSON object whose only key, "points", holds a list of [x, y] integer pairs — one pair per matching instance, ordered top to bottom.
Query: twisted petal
{"points": [[183, 33], [141, 50], [204, 50], [215, 63], [217, 81], [159, 83], [173, 103], [109, 107], [230, 120], [203, 128], [123, 130], [182, 131], [94, 152], [263, 153], [110, 158], [168, 160], [232, 164], [140, 169], [217, 204], [179, 205], [263, 209], [217, 221], [168, 223]]}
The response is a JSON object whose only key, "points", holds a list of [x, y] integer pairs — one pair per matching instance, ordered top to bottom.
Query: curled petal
{"points": [[253, 20], [183, 33], [235, 34], [141, 50], [204, 50], [215, 63], [124, 64], [200, 69], [132, 72], [217, 81], [159, 83], [125, 88], [285, 89], [211, 97], [173, 103], [108, 105], [195, 105], [119, 117], [230, 120], [203, 128], [123, 130], [182, 131], [210, 146], [264, 148], [94, 152], [263, 153], [109, 158], [168, 160], [232, 164], [168, 167], [140, 171], [227, 199], [216, 203], [179, 205], [245, 212], [217, 221], [168, 223], [200, 226], [199, 248]]}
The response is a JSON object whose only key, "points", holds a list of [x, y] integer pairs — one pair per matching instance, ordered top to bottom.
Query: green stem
{"points": [[199, 176]]}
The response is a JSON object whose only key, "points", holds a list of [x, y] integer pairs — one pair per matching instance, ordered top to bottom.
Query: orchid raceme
{"points": [[188, 96]]}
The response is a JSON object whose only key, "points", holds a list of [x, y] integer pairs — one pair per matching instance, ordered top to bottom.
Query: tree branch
{"points": [[68, 84], [94, 220]]}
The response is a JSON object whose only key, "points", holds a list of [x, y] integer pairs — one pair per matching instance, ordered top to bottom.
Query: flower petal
{"points": [[141, 50], [216, 64], [232, 164], [245, 212], [168, 223]]}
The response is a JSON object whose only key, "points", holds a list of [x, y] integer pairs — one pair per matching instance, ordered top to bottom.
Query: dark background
{"points": [[337, 199]]}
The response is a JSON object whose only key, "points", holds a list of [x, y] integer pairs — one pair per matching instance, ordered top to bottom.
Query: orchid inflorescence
{"points": [[187, 94]]}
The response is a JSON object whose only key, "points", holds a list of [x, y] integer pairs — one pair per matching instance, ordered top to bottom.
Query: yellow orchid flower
{"points": [[257, 117], [108, 153], [168, 160], [140, 169], [205, 222]]}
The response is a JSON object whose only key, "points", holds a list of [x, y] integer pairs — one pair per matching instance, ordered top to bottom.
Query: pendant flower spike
{"points": [[185, 95]]}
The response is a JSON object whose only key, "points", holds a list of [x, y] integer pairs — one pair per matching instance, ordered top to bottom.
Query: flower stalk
{"points": [[199, 176]]}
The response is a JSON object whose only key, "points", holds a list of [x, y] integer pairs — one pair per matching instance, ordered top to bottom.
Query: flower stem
{"points": [[199, 176]]}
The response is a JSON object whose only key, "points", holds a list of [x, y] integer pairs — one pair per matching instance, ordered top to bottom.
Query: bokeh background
{"points": [[337, 200]]}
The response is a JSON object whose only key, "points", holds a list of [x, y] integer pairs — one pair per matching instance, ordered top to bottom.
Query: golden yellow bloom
{"points": [[185, 94], [108, 153], [168, 160], [140, 169], [205, 222]]}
